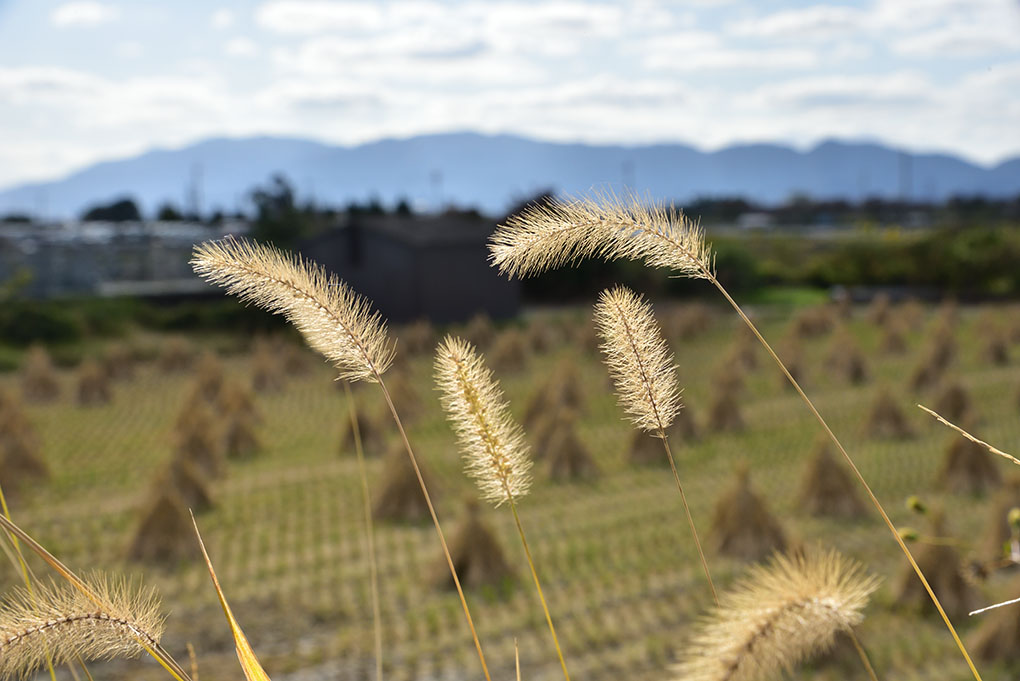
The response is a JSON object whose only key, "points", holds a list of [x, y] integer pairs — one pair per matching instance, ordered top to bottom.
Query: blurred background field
{"points": [[615, 553]]}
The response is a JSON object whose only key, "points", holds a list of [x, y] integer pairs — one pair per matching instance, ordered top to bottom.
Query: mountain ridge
{"points": [[493, 172]]}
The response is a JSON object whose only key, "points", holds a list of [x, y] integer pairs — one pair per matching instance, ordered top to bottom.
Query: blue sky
{"points": [[86, 80]]}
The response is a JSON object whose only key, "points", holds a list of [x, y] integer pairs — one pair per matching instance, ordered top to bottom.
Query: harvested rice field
{"points": [[607, 531]]}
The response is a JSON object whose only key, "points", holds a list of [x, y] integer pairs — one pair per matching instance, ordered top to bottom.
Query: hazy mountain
{"points": [[493, 172]]}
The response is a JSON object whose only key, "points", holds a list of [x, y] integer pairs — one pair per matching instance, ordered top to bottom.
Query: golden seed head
{"points": [[549, 235], [333, 319], [638, 358], [492, 443], [778, 615], [60, 623]]}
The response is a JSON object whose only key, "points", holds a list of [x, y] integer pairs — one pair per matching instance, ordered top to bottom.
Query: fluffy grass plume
{"points": [[552, 234], [334, 319], [639, 359], [493, 444], [781, 613], [61, 623]]}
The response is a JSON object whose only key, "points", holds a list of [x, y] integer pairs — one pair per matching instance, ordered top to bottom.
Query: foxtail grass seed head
{"points": [[549, 235], [333, 319], [638, 358], [492, 443], [781, 613], [60, 623]]}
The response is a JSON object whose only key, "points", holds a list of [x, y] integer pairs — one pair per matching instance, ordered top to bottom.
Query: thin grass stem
{"points": [[656, 418], [961, 431], [853, 467], [690, 518], [435, 521], [23, 566], [373, 567], [538, 587], [157, 651], [862, 654]]}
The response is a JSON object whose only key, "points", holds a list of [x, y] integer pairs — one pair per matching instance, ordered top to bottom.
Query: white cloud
{"points": [[84, 13], [319, 16], [222, 19], [809, 23], [961, 41], [241, 47], [130, 49], [693, 54], [408, 62], [900, 89]]}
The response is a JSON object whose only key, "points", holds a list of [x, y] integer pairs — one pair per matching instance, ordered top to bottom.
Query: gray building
{"points": [[105, 258], [418, 267]]}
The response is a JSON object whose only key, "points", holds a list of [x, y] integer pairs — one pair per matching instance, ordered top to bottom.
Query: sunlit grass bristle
{"points": [[333, 319], [639, 359], [495, 451], [778, 615], [58, 622]]}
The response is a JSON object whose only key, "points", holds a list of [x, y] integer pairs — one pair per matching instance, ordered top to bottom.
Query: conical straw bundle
{"points": [[879, 310], [893, 341], [509, 353], [176, 355], [119, 362], [267, 374], [39, 381], [93, 385], [885, 418], [567, 457], [968, 468], [182, 478], [826, 489], [399, 497], [742, 525], [999, 532], [165, 533], [476, 552], [941, 563], [780, 614], [998, 638]]}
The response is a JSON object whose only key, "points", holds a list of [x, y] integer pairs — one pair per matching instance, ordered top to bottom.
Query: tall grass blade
{"points": [[253, 671]]}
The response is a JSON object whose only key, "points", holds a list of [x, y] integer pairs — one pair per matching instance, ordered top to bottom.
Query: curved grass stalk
{"points": [[544, 237], [333, 319], [644, 373], [492, 442], [857, 473], [435, 521], [369, 533], [25, 575], [157, 651], [861, 653]]}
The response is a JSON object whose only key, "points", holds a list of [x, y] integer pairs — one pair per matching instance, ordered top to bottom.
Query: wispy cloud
{"points": [[85, 13], [924, 73]]}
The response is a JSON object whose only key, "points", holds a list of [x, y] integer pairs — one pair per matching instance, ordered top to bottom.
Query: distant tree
{"points": [[372, 207], [403, 208], [718, 209], [123, 210], [169, 213], [16, 218], [216, 218], [278, 219]]}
